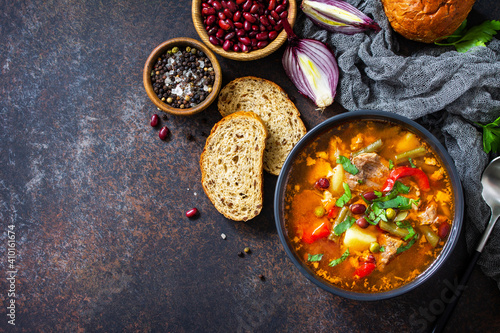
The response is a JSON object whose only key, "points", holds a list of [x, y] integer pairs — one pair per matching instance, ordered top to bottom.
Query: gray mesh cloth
{"points": [[447, 91]]}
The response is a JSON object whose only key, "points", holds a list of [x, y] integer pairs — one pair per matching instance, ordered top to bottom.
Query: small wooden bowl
{"points": [[181, 42], [252, 55]]}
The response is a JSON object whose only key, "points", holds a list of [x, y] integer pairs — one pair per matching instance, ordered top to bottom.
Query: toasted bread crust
{"points": [[271, 103], [232, 165]]}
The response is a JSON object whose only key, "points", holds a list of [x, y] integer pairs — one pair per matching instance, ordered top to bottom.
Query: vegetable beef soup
{"points": [[368, 206]]}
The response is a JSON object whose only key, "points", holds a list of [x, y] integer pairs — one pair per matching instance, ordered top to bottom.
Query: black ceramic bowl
{"points": [[279, 201]]}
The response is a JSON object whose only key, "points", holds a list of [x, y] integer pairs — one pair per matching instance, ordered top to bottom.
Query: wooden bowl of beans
{"points": [[243, 29], [182, 76]]}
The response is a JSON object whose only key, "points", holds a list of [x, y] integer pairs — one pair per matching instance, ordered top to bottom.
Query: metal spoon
{"points": [[491, 194]]}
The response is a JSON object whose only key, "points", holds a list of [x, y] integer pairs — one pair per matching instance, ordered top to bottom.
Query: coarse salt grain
{"points": [[223, 236]]}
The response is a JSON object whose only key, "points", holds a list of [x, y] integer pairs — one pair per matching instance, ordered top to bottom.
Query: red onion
{"points": [[338, 16], [312, 68]]}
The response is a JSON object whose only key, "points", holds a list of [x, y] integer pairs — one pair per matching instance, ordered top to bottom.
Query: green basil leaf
{"points": [[391, 165], [348, 166], [406, 225], [316, 257], [339, 260]]}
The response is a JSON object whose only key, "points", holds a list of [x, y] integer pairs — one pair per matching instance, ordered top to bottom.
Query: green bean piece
{"points": [[372, 147], [417, 152], [340, 218], [393, 229], [431, 236]]}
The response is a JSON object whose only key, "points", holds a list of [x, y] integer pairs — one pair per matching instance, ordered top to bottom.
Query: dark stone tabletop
{"points": [[96, 201]]}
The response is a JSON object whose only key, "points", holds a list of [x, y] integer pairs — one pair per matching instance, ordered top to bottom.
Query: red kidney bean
{"points": [[210, 2], [239, 2], [285, 3], [224, 4], [272, 4], [205, 5], [217, 5], [247, 5], [232, 6], [280, 8], [254, 9], [208, 11], [228, 13], [284, 14], [221, 15], [275, 15], [236, 16], [249, 17], [271, 19], [211, 20], [264, 20], [231, 24], [238, 25], [247, 26], [278, 26], [262, 27], [255, 28], [213, 31], [240, 32], [220, 33], [252, 34], [273, 34], [230, 35], [262, 36], [213, 40], [245, 40], [254, 42], [262, 44], [227, 45], [236, 48], [245, 48], [155, 120], [163, 133], [322, 184], [370, 196], [357, 208], [192, 212], [362, 223], [443, 230]]}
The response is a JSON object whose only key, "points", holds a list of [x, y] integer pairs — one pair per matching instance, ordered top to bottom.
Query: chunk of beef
{"points": [[370, 169], [429, 216], [391, 246]]}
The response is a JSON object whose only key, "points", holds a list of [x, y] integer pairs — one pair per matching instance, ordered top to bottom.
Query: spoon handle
{"points": [[441, 322]]}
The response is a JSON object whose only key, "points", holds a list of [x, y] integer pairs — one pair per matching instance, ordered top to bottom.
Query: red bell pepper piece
{"points": [[417, 174], [332, 212], [316, 232], [364, 270]]}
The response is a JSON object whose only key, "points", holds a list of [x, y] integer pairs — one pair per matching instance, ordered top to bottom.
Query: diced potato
{"points": [[408, 142], [318, 170], [336, 179], [357, 239]]}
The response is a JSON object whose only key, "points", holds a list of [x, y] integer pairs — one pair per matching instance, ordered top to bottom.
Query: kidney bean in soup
{"points": [[388, 199]]}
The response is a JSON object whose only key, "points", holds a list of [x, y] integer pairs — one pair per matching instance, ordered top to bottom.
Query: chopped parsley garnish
{"points": [[411, 163], [391, 165], [348, 166], [345, 197], [344, 225], [406, 225], [407, 246], [382, 249], [316, 257], [339, 260]]}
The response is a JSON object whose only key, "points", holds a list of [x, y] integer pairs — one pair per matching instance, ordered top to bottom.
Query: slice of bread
{"points": [[272, 105], [231, 165]]}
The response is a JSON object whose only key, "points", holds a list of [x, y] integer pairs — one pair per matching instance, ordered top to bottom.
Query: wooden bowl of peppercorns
{"points": [[243, 29], [182, 76]]}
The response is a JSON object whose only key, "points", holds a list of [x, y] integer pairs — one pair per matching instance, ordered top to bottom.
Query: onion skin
{"points": [[338, 16], [312, 68]]}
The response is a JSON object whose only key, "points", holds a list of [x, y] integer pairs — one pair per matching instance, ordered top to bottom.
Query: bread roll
{"points": [[426, 20]]}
